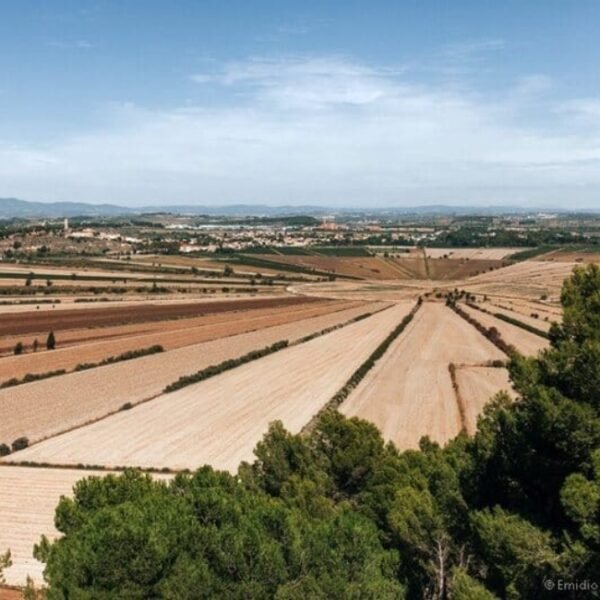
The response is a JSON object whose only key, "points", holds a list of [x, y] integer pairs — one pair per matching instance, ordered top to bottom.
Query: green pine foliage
{"points": [[338, 513]]}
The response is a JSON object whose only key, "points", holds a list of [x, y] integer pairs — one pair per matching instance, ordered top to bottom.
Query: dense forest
{"points": [[513, 512]]}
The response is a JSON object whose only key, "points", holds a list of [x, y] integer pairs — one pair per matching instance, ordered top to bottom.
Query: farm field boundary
{"points": [[512, 321], [362, 370], [113, 404]]}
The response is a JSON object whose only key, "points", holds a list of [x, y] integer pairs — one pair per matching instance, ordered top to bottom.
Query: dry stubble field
{"points": [[524, 341], [93, 345], [476, 386], [409, 393], [46, 407], [220, 420], [27, 505]]}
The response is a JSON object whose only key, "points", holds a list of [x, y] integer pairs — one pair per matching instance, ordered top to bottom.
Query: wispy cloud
{"points": [[325, 129]]}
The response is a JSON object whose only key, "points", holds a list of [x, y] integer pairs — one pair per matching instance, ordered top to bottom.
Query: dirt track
{"points": [[60, 319]]}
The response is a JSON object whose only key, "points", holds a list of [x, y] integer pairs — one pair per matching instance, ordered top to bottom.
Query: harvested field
{"points": [[473, 253], [571, 256], [209, 264], [362, 267], [411, 267], [443, 269], [529, 279], [388, 291], [552, 312], [61, 319], [539, 323], [524, 341], [93, 345], [477, 386], [409, 392], [44, 408], [220, 420], [27, 512]]}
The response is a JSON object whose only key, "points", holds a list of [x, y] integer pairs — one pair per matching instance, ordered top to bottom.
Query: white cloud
{"points": [[322, 130]]}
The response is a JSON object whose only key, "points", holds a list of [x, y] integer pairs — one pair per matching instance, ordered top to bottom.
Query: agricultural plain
{"points": [[94, 345], [434, 380], [43, 408], [219, 421]]}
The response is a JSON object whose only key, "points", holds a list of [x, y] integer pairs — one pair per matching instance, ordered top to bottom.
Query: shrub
{"points": [[51, 341], [18, 349], [124, 356], [224, 366], [29, 377], [20, 444], [4, 450]]}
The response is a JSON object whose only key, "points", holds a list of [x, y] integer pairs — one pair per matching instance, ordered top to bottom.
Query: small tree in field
{"points": [[51, 341], [35, 345], [18, 349], [5, 562]]}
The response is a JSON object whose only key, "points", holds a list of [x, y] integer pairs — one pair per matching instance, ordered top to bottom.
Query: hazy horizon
{"points": [[335, 104]]}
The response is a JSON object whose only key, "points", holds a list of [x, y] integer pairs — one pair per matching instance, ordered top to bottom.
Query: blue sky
{"points": [[341, 103]]}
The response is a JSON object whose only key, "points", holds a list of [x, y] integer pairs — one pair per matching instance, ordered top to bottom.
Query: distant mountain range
{"points": [[14, 208]]}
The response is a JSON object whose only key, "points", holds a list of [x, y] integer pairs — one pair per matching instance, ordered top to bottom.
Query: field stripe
{"points": [[409, 393], [41, 409], [219, 421]]}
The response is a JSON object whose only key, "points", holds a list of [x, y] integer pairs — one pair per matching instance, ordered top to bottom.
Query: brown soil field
{"points": [[473, 253], [569, 256], [212, 265], [413, 266], [363, 267], [442, 269], [116, 300], [61, 319], [169, 334], [73, 337], [525, 342], [477, 386], [409, 393], [46, 407], [220, 420], [27, 506], [7, 593]]}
